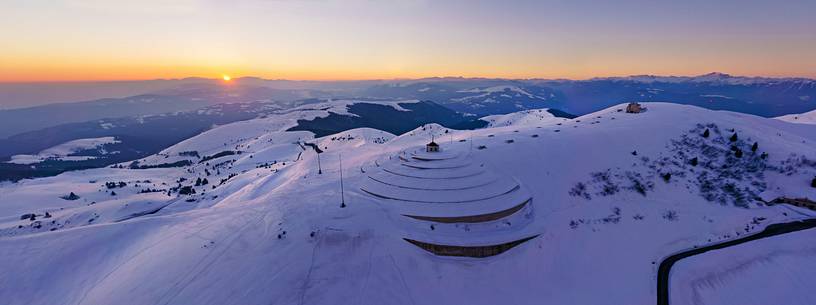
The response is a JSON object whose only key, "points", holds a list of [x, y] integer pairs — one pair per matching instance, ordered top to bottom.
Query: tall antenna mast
{"points": [[342, 193]]}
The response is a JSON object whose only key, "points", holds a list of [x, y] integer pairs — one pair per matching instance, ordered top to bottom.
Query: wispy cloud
{"points": [[151, 7]]}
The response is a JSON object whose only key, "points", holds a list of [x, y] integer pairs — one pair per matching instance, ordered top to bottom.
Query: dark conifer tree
{"points": [[706, 133], [734, 137], [755, 146], [693, 161], [71, 196]]}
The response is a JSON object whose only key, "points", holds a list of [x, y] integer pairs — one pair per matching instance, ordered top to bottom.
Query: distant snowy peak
{"points": [[714, 77], [507, 90], [500, 99], [341, 106], [532, 117], [803, 118], [427, 132], [355, 138]]}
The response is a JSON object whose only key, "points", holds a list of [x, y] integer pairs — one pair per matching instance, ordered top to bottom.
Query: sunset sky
{"points": [[70, 40]]}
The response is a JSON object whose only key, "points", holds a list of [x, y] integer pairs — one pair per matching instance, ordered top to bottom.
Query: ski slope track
{"points": [[531, 210]]}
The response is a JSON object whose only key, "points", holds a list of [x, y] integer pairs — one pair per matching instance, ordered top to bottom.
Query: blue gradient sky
{"points": [[50, 40]]}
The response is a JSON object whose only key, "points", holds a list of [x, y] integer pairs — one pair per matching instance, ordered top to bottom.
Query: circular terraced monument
{"points": [[459, 207]]}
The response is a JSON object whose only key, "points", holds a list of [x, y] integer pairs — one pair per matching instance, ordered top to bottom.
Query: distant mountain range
{"points": [[714, 77], [185, 97], [768, 97], [179, 109]]}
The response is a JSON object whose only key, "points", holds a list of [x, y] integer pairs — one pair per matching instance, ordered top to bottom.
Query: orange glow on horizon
{"points": [[382, 40], [29, 68], [75, 72]]}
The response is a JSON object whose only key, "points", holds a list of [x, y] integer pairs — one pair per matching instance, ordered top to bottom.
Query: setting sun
{"points": [[226, 77]]}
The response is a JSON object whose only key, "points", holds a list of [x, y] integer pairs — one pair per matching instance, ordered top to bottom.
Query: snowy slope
{"points": [[804, 118], [258, 135], [65, 151], [268, 229]]}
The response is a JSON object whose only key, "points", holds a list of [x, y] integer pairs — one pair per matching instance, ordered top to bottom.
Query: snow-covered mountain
{"points": [[713, 77], [763, 96], [476, 97], [183, 111], [534, 117], [141, 136], [67, 151], [250, 213]]}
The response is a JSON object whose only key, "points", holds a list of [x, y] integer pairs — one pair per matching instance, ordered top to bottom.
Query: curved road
{"points": [[664, 270]]}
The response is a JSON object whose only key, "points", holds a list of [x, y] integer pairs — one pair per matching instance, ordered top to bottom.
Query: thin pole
{"points": [[319, 169], [342, 192]]}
